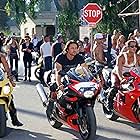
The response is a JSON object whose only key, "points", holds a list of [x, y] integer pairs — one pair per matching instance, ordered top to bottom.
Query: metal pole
{"points": [[139, 14]]}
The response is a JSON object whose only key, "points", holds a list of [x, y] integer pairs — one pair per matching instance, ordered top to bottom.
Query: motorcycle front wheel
{"points": [[51, 119], [2, 121], [87, 124]]}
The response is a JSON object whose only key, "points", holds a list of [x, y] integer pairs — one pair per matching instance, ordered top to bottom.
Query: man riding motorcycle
{"points": [[69, 58], [66, 60], [125, 62], [12, 108]]}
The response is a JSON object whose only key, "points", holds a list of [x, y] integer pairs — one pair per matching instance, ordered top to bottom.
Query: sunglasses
{"points": [[133, 46]]}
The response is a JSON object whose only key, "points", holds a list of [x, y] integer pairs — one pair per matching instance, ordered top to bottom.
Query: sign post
{"points": [[92, 14]]}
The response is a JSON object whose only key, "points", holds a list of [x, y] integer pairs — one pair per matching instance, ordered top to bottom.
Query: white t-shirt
{"points": [[138, 40], [35, 41], [46, 49]]}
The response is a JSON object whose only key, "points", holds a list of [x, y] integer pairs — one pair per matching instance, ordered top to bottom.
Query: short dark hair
{"points": [[47, 35], [27, 36], [86, 38]]}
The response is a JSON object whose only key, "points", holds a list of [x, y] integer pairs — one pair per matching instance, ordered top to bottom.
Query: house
{"points": [[45, 22], [13, 27]]}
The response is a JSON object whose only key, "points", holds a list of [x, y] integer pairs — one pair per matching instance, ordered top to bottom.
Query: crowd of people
{"points": [[103, 46], [57, 55]]}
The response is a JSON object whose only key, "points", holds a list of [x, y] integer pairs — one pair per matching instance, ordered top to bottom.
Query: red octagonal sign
{"points": [[92, 13]]}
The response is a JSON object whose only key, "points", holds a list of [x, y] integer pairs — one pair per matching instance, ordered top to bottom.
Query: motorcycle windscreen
{"points": [[80, 74]]}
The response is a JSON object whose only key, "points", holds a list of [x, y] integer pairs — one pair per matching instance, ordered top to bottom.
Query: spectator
{"points": [[137, 36], [131, 37], [114, 38], [35, 41], [120, 43], [57, 46], [87, 46], [81, 47], [27, 48], [37, 49], [45, 51], [14, 54]]}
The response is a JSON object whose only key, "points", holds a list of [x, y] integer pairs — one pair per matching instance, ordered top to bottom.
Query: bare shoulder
{"points": [[97, 48], [2, 55], [138, 56], [121, 58]]}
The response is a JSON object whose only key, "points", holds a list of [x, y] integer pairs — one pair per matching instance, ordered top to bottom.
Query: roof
{"points": [[44, 18]]}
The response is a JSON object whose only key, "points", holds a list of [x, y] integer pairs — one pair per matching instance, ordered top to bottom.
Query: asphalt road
{"points": [[36, 126]]}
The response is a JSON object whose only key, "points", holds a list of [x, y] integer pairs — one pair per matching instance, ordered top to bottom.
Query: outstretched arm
{"points": [[7, 69]]}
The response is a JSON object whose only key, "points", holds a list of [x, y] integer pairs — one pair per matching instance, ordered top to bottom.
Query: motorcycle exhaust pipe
{"points": [[42, 94]]}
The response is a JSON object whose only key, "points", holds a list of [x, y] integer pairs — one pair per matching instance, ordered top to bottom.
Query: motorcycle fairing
{"points": [[123, 105]]}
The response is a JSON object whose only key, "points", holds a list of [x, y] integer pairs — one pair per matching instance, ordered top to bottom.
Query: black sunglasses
{"points": [[133, 46]]}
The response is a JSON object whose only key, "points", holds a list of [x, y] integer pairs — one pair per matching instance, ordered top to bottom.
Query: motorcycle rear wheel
{"points": [[110, 114], [2, 121], [87, 124]]}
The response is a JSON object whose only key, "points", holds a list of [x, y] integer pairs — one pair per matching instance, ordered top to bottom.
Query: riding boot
{"points": [[113, 92], [50, 107], [13, 115], [15, 120]]}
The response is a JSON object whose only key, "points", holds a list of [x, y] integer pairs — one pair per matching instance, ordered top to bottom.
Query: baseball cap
{"points": [[58, 36], [98, 36]]}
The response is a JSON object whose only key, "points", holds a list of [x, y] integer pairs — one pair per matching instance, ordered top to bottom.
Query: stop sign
{"points": [[92, 13]]}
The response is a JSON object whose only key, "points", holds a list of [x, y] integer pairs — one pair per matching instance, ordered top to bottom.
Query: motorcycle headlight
{"points": [[6, 89], [88, 94]]}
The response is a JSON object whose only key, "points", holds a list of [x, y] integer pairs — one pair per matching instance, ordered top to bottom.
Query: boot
{"points": [[30, 79], [113, 92], [13, 115], [15, 121]]}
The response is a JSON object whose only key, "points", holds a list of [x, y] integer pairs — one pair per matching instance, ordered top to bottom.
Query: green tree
{"points": [[69, 14], [3, 16], [111, 20]]}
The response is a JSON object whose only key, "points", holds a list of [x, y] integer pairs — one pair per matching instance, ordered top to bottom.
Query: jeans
{"points": [[16, 63], [47, 63], [27, 64]]}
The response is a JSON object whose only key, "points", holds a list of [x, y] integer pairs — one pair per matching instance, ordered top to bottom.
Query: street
{"points": [[36, 126]]}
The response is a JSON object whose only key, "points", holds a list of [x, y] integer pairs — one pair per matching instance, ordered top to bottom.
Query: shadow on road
{"points": [[33, 82], [40, 115], [134, 125], [71, 131], [119, 132], [20, 134], [76, 134], [104, 138]]}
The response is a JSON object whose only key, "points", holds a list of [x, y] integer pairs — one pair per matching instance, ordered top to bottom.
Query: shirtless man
{"points": [[98, 53]]}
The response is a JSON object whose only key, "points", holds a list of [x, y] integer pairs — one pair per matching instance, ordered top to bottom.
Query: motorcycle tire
{"points": [[37, 73], [110, 114], [2, 121], [53, 122], [88, 132]]}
